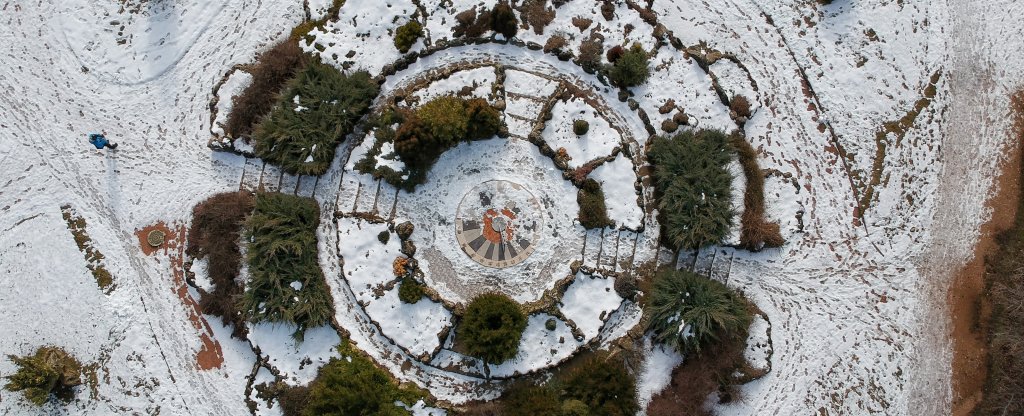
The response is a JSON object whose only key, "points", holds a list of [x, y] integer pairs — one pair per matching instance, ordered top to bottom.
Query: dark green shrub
{"points": [[503, 20], [407, 34], [631, 69], [270, 72], [318, 108], [437, 126], [580, 127], [693, 187], [593, 213], [216, 229], [383, 237], [283, 250], [410, 291], [689, 311], [491, 327], [51, 370], [353, 385], [604, 386], [527, 399], [573, 407]]}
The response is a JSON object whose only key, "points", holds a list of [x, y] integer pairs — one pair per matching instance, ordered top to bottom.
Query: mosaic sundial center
{"points": [[497, 223]]}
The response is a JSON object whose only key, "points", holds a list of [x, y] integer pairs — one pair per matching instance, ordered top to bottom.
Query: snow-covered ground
{"points": [[856, 306]]}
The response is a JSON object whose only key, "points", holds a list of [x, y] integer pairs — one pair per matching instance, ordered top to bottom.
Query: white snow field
{"points": [[855, 301]]}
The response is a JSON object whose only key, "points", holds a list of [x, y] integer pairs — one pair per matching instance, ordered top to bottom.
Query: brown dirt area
{"points": [[969, 309], [210, 355]]}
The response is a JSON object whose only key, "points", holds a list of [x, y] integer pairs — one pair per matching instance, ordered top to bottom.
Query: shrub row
{"points": [[270, 72], [318, 108], [693, 187], [215, 233], [756, 233], [285, 283]]}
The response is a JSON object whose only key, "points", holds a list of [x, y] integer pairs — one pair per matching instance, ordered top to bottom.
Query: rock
{"points": [[534, 46], [350, 54], [564, 55], [623, 95], [499, 105], [633, 105], [667, 107], [404, 230], [408, 248]]}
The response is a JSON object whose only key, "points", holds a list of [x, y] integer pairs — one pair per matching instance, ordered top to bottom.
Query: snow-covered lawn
{"points": [[598, 142]]}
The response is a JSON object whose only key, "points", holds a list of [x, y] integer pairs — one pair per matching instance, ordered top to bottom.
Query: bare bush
{"points": [[270, 72]]}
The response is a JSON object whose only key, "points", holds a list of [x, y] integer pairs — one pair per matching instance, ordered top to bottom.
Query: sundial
{"points": [[497, 223]]}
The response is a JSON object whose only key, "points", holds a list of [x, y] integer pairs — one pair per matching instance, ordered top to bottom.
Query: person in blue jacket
{"points": [[100, 141]]}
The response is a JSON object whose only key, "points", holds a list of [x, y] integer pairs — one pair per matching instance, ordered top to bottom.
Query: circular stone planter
{"points": [[497, 223], [156, 238]]}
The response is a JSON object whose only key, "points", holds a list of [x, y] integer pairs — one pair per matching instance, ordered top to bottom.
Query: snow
{"points": [[365, 27], [483, 78], [524, 83], [598, 142], [618, 183], [367, 261], [588, 301], [415, 327], [539, 347], [759, 348], [297, 362]]}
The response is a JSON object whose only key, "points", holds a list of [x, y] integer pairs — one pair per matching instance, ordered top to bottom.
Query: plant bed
{"points": [[314, 113], [693, 187], [216, 229], [285, 282]]}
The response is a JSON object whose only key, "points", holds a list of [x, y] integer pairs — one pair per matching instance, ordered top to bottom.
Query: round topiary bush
{"points": [[407, 34], [580, 127], [384, 237], [410, 291], [689, 311], [491, 327]]}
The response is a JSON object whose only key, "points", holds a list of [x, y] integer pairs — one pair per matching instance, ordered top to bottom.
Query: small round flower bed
{"points": [[492, 327]]}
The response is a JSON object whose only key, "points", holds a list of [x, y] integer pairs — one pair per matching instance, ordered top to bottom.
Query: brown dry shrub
{"points": [[607, 10], [537, 14], [581, 23], [472, 24], [555, 43], [590, 51], [615, 53], [269, 73], [740, 105], [216, 229], [755, 232], [699, 376]]}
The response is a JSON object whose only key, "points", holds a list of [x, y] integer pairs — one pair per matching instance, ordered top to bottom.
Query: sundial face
{"points": [[497, 223]]}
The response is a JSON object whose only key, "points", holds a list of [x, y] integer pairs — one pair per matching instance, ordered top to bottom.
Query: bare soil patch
{"points": [[969, 308], [210, 354]]}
